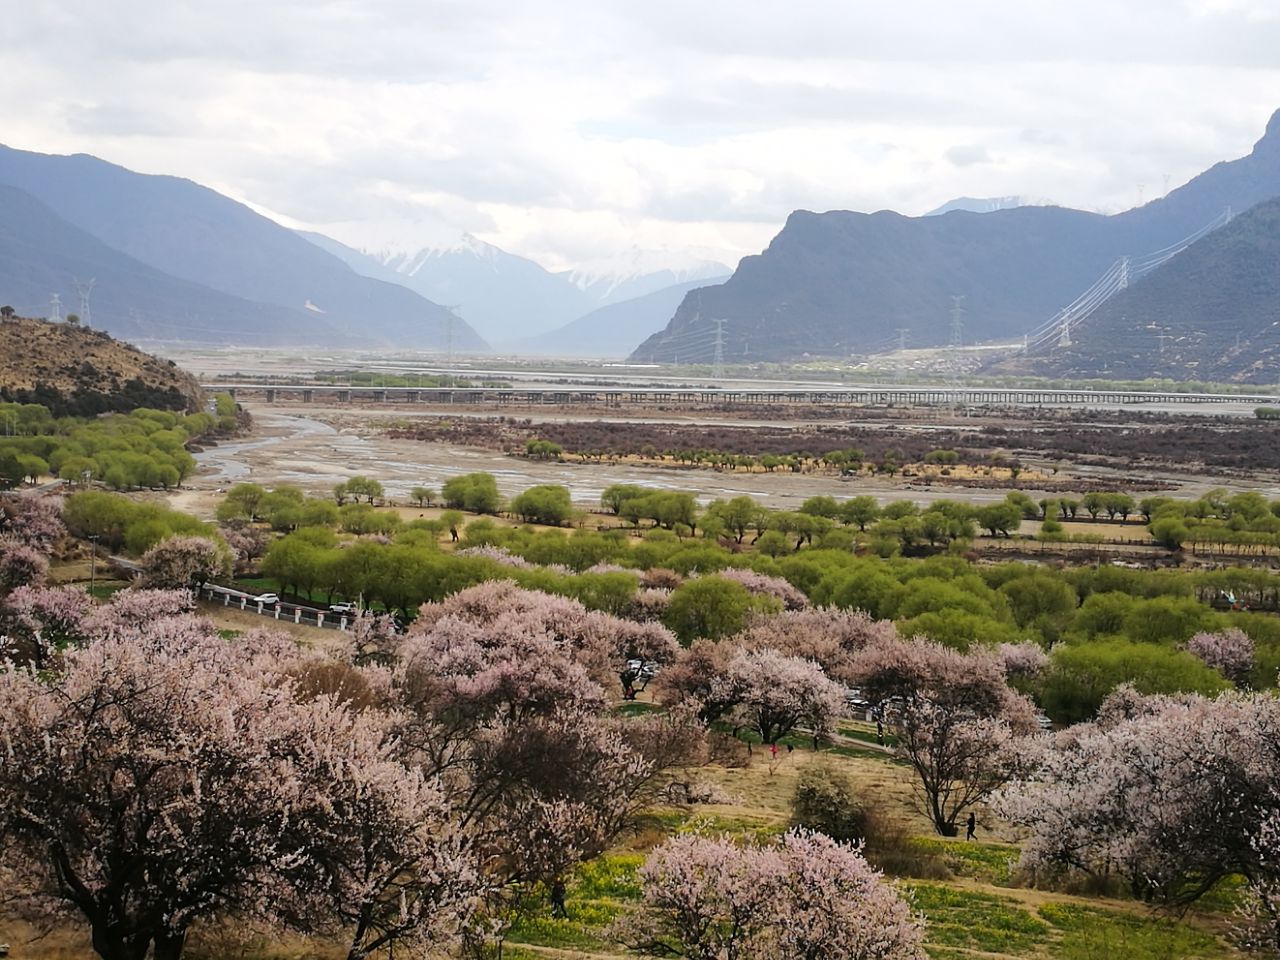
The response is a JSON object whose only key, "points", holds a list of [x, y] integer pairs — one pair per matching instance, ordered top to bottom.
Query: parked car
{"points": [[267, 598]]}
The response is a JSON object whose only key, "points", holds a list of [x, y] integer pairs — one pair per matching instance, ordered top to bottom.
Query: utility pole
{"points": [[1124, 273], [84, 288], [55, 309], [957, 321], [448, 326], [1162, 336], [902, 337], [957, 342], [717, 363], [93, 563]]}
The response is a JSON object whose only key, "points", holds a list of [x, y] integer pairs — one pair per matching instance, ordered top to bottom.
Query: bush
{"points": [[824, 801]]}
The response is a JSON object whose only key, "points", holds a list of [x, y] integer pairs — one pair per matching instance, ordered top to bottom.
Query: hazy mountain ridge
{"points": [[195, 234], [41, 254], [841, 282], [516, 303], [613, 331]]}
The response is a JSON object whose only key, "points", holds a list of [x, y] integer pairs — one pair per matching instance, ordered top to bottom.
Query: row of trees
{"points": [[143, 449]]}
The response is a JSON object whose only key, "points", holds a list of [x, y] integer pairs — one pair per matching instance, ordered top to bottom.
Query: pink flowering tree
{"points": [[36, 521], [188, 563], [21, 565], [762, 583], [41, 621], [825, 635], [1229, 651], [697, 676], [773, 694], [501, 705], [956, 721], [148, 785], [1168, 794], [804, 896]]}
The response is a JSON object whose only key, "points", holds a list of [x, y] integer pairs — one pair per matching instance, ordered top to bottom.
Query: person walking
{"points": [[970, 827], [557, 899]]}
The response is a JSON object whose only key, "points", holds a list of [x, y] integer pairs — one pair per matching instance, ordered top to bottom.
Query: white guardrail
{"points": [[289, 612]]}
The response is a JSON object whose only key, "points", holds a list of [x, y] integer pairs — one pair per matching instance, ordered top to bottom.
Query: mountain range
{"points": [[228, 274], [841, 283], [516, 304]]}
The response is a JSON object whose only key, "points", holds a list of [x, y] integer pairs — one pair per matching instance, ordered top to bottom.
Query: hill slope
{"points": [[195, 234], [41, 254], [840, 282], [1210, 313], [76, 371]]}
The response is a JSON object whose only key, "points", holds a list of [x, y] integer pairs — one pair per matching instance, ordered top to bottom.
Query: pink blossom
{"points": [[36, 521], [20, 565], [762, 583], [828, 636], [1229, 651], [1024, 660], [773, 694], [956, 721], [1169, 793], [804, 896]]}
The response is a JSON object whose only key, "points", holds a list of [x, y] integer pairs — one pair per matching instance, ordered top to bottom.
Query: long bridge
{"points": [[702, 397]]}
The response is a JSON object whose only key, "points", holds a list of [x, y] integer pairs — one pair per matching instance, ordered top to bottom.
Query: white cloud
{"points": [[569, 131]]}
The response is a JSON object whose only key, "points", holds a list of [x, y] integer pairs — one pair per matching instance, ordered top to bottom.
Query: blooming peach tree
{"points": [[956, 721], [805, 896]]}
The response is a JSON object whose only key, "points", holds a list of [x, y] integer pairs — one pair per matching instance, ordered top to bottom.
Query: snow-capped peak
{"points": [[409, 262], [603, 275]]}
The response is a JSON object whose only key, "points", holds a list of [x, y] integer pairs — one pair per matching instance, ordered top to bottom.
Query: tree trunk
{"points": [[111, 944], [169, 945]]}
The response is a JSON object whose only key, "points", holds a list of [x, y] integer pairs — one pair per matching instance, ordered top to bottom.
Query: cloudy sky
{"points": [[575, 129]]}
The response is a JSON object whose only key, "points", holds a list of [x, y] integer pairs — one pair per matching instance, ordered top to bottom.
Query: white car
{"points": [[267, 598], [342, 608]]}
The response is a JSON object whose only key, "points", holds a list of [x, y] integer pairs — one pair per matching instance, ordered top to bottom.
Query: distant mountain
{"points": [[986, 205], [195, 234], [41, 254], [637, 273], [837, 283], [502, 296], [515, 303], [1211, 313], [613, 331]]}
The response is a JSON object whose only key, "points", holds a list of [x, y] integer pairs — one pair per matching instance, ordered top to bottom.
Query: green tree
{"points": [[474, 492], [546, 503], [861, 511], [999, 518], [712, 607]]}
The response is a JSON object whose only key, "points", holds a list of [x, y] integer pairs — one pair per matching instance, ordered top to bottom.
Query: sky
{"points": [[582, 129]]}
